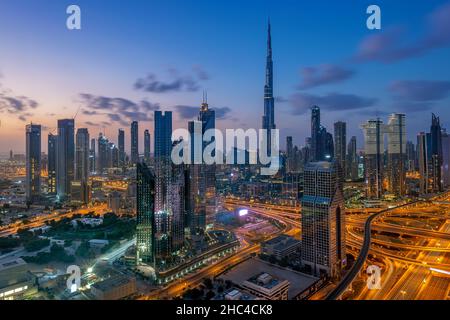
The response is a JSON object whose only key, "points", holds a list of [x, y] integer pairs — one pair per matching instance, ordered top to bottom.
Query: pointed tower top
{"points": [[204, 106]]}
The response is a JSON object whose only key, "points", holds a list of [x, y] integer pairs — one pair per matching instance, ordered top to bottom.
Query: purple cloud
{"points": [[389, 46], [323, 74], [151, 84], [420, 90], [302, 102], [119, 110]]}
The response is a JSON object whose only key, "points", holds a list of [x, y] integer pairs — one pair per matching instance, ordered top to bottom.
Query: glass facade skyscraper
{"points": [[374, 131], [396, 132], [121, 142], [134, 142], [147, 145], [340, 145], [51, 150], [33, 162], [65, 163], [82, 165], [145, 206], [323, 219]]}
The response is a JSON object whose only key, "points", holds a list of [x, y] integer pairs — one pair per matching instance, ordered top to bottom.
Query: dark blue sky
{"points": [[323, 54]]}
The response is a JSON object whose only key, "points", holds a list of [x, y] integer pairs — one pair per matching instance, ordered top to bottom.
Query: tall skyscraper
{"points": [[207, 117], [268, 120], [374, 131], [396, 132], [163, 134], [121, 141], [134, 142], [147, 145], [340, 145], [316, 150], [102, 153], [52, 154], [435, 154], [290, 155], [422, 155], [411, 156], [65, 157], [92, 158], [445, 159], [33, 162], [352, 163], [81, 194], [166, 203], [323, 219], [145, 224]]}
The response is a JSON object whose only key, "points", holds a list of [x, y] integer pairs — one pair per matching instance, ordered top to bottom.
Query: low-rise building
{"points": [[281, 247], [16, 282], [268, 287], [114, 288]]}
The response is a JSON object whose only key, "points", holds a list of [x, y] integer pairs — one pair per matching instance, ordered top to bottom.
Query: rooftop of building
{"points": [[320, 165], [282, 241], [265, 280], [112, 282]]}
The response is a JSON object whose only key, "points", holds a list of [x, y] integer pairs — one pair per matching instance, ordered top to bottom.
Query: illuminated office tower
{"points": [[207, 117], [268, 119], [374, 131], [396, 133], [121, 142], [134, 142], [340, 145], [51, 146], [147, 146], [316, 146], [163, 149], [114, 152], [102, 153], [422, 153], [290, 155], [435, 155], [411, 156], [92, 159], [445, 159], [352, 160], [33, 162], [65, 164], [196, 186], [81, 194], [169, 217], [323, 219], [145, 227]]}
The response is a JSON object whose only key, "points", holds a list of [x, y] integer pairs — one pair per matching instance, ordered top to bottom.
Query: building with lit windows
{"points": [[374, 131], [396, 134], [33, 162], [65, 164], [51, 166], [145, 205], [323, 220]]}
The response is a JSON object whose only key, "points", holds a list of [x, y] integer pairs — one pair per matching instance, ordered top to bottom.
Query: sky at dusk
{"points": [[133, 57]]}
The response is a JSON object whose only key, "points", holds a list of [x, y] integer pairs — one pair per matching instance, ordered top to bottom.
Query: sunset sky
{"points": [[131, 58]]}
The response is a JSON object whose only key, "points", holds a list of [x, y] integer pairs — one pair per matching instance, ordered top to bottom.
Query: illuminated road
{"points": [[41, 220], [246, 250], [405, 259]]}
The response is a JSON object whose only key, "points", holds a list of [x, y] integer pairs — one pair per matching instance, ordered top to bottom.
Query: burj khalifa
{"points": [[268, 119]]}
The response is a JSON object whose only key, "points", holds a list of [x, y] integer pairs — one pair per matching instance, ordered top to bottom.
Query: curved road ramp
{"points": [[356, 268]]}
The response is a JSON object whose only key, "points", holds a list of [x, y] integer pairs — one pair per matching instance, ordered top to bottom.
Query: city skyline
{"points": [[331, 81]]}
